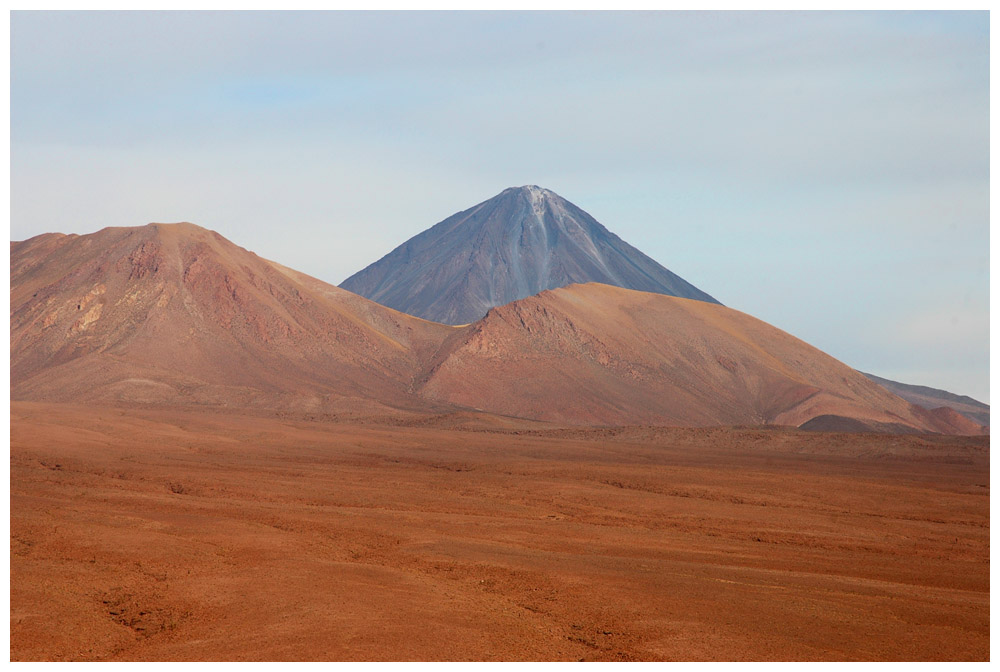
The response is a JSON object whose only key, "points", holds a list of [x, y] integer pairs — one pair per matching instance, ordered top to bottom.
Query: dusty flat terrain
{"points": [[190, 535]]}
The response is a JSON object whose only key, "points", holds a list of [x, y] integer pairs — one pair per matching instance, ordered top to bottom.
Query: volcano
{"points": [[517, 244]]}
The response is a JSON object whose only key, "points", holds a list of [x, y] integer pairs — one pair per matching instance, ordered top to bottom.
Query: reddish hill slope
{"points": [[174, 313], [596, 354]]}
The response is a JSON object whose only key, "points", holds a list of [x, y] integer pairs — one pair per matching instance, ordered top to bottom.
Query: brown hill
{"points": [[174, 313], [596, 354]]}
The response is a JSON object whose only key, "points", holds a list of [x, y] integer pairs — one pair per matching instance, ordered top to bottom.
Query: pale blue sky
{"points": [[825, 172]]}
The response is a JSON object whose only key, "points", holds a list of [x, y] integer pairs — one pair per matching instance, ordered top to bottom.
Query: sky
{"points": [[826, 172]]}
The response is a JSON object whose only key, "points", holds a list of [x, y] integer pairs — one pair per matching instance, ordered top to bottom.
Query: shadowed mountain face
{"points": [[516, 244], [174, 313], [930, 398]]}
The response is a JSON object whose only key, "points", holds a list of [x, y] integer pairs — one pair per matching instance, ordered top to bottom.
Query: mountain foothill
{"points": [[522, 307]]}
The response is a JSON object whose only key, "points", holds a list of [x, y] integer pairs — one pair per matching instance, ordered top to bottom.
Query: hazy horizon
{"points": [[826, 172]]}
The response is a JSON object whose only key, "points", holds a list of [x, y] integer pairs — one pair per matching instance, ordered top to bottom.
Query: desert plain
{"points": [[195, 534]]}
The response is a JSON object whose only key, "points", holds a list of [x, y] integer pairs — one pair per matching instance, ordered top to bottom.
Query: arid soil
{"points": [[185, 535]]}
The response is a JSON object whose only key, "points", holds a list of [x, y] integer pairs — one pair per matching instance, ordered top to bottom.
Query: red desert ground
{"points": [[215, 457]]}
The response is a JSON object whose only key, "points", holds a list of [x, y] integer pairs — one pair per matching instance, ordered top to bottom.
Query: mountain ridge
{"points": [[178, 315], [932, 397]]}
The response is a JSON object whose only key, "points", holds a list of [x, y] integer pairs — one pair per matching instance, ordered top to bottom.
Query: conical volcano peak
{"points": [[539, 200], [520, 242]]}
